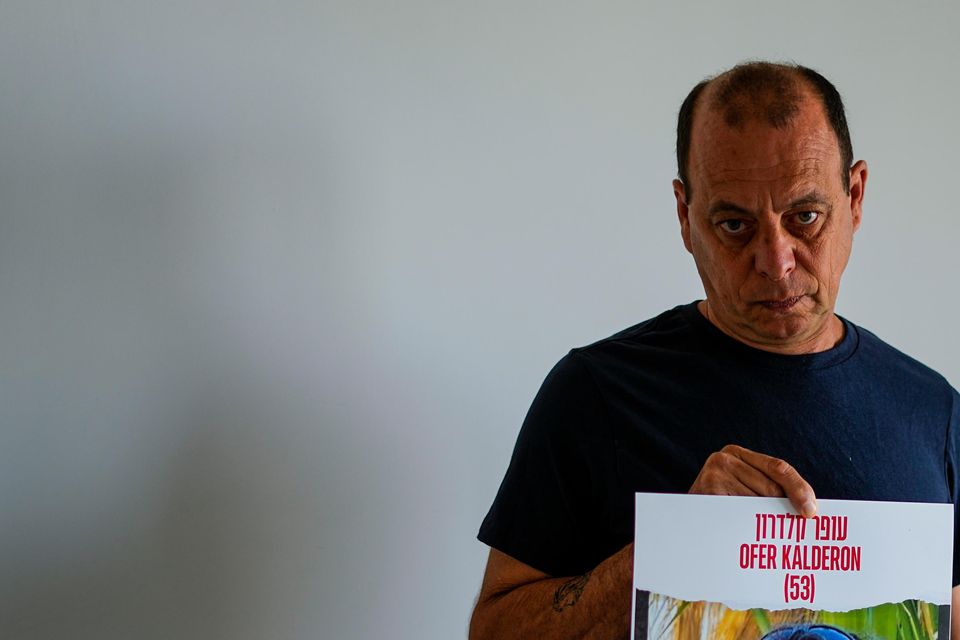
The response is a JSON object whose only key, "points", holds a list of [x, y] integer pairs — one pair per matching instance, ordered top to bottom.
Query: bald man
{"points": [[758, 389]]}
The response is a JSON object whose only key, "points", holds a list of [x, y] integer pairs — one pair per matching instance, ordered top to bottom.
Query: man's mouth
{"points": [[783, 304]]}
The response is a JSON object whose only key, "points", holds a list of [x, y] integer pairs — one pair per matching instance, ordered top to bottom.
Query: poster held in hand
{"points": [[723, 567]]}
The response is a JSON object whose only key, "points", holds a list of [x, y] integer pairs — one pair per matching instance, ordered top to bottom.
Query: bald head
{"points": [[761, 92]]}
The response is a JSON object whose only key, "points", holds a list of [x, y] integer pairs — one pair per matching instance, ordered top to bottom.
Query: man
{"points": [[759, 389]]}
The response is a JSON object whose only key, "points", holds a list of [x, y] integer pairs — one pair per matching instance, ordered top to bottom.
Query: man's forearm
{"points": [[594, 605], [955, 615]]}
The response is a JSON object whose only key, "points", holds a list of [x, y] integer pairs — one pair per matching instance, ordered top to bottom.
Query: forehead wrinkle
{"points": [[813, 147], [804, 167], [757, 193]]}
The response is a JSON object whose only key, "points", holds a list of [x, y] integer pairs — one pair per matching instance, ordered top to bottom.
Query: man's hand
{"points": [[735, 471]]}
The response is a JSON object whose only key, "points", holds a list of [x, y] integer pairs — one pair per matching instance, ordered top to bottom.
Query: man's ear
{"points": [[858, 183], [683, 213]]}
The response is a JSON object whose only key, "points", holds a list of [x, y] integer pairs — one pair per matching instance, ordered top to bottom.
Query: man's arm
{"points": [[518, 601], [955, 615]]}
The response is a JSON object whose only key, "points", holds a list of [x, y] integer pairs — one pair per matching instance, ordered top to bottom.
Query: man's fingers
{"points": [[735, 470], [726, 474], [727, 486], [795, 488]]}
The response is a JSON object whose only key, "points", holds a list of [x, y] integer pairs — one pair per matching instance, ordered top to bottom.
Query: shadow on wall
{"points": [[158, 485], [221, 542]]}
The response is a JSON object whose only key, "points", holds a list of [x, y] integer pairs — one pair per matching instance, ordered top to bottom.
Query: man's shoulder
{"points": [[672, 327], [649, 348], [876, 352]]}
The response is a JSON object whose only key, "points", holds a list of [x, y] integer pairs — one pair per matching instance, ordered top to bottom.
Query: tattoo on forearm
{"points": [[569, 592]]}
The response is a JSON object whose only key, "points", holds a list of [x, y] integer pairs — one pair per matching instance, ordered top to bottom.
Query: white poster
{"points": [[717, 567]]}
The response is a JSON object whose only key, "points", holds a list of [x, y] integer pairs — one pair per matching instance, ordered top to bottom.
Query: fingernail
{"points": [[809, 509]]}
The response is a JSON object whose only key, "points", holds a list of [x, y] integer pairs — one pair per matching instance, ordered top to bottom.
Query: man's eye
{"points": [[807, 217], [733, 226]]}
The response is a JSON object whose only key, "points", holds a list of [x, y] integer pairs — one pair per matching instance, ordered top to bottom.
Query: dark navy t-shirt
{"points": [[643, 409]]}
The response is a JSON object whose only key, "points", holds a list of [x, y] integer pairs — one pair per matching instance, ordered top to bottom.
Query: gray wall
{"points": [[279, 280]]}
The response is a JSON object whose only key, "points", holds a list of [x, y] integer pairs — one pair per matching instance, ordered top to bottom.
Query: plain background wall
{"points": [[279, 280]]}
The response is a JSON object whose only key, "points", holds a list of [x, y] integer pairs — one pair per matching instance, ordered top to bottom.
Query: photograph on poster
{"points": [[663, 617]]}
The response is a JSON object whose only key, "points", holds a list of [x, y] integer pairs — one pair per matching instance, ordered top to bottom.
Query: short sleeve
{"points": [[953, 479], [545, 511]]}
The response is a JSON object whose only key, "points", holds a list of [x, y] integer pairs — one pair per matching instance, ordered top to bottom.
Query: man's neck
{"points": [[829, 337]]}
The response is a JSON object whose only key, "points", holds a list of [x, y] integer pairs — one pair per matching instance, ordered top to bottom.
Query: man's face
{"points": [[770, 227]]}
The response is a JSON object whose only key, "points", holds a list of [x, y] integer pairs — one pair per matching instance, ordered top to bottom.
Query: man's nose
{"points": [[775, 258]]}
